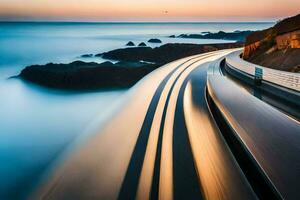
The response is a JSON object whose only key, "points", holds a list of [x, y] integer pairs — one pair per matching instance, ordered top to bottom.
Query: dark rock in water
{"points": [[236, 35], [172, 36], [155, 40], [130, 43], [142, 44], [165, 53], [128, 54], [87, 55], [98, 55], [83, 75]]}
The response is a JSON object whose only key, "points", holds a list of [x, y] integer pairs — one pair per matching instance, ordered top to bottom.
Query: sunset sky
{"points": [[147, 10]]}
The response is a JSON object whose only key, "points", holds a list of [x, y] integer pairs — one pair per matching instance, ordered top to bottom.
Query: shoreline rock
{"points": [[221, 35], [154, 40], [130, 43], [142, 44], [165, 53], [87, 55], [134, 63], [80, 75]]}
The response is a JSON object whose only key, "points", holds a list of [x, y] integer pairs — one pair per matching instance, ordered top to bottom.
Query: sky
{"points": [[147, 10]]}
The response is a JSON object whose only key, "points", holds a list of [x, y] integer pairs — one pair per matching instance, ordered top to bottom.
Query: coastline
{"points": [[133, 63], [49, 119]]}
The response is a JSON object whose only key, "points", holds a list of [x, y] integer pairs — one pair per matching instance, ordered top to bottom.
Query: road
{"points": [[164, 143]]}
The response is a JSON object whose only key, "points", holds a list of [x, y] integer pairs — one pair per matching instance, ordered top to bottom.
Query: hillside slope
{"points": [[277, 47]]}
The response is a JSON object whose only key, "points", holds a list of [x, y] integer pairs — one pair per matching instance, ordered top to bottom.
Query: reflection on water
{"points": [[36, 124]]}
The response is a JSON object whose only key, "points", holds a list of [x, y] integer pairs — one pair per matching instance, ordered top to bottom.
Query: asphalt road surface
{"points": [[164, 143]]}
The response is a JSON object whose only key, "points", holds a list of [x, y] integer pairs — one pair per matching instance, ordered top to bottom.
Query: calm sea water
{"points": [[37, 124]]}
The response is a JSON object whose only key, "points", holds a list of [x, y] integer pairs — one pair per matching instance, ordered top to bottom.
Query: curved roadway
{"points": [[163, 144]]}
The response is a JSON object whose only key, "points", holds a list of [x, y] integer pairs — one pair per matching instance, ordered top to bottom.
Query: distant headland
{"points": [[236, 35]]}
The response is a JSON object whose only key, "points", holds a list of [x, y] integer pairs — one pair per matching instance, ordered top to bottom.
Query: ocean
{"points": [[38, 124]]}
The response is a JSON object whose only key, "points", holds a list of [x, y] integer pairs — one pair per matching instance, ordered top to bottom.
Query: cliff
{"points": [[277, 47]]}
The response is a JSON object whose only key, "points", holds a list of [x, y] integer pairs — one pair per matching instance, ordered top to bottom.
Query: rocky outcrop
{"points": [[236, 35], [288, 40], [155, 41], [275, 41], [130, 43], [142, 44], [277, 47], [249, 49], [165, 53], [87, 55], [134, 63], [80, 75]]}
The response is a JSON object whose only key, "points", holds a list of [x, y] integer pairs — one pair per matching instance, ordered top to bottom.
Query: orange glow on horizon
{"points": [[179, 10]]}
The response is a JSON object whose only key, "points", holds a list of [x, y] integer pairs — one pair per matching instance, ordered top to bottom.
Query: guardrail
{"points": [[285, 79]]}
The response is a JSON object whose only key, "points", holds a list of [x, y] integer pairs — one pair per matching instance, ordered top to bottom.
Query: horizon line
{"points": [[104, 22]]}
